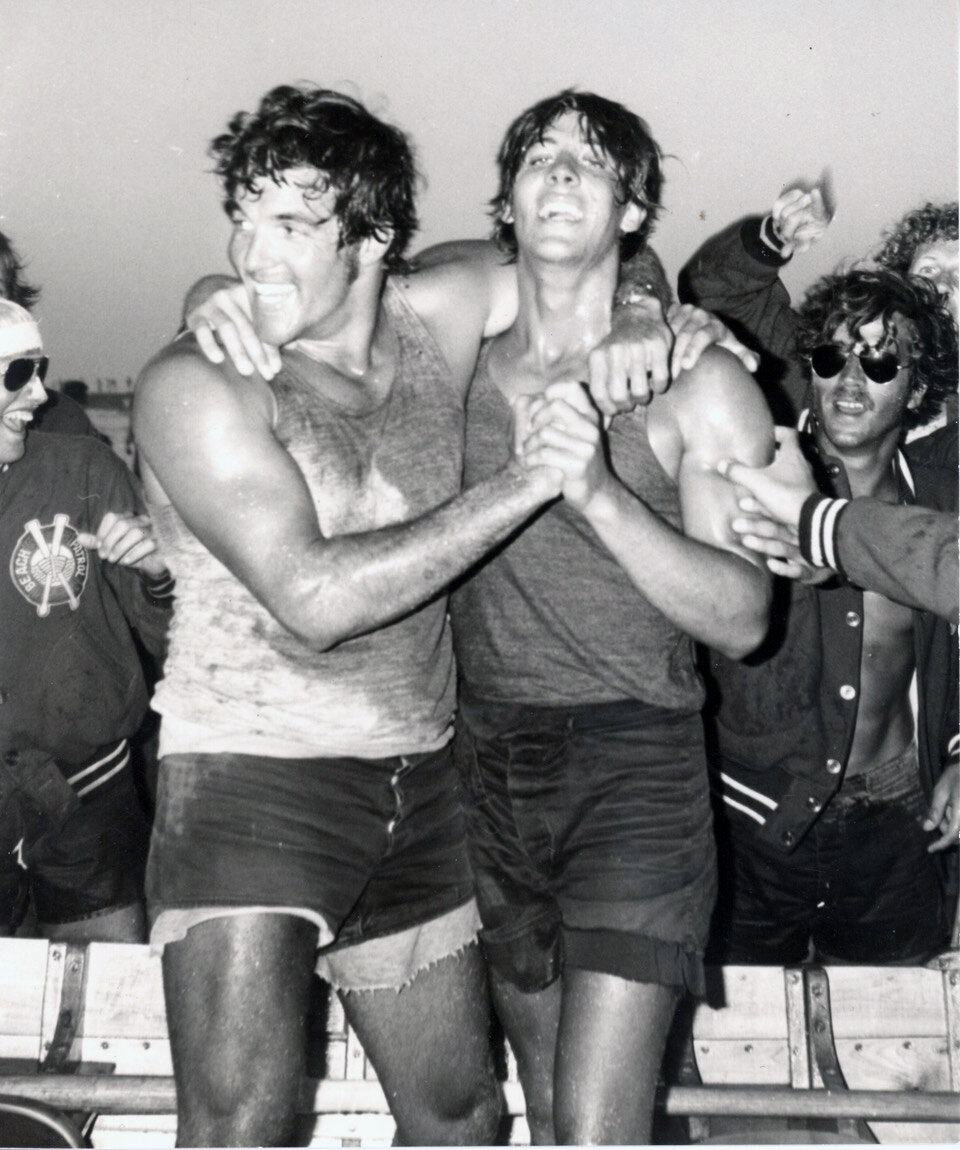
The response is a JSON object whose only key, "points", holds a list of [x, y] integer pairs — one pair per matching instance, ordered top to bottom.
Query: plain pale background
{"points": [[107, 106]]}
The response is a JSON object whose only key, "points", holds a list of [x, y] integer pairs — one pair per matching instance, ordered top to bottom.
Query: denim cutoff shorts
{"points": [[590, 835], [364, 848]]}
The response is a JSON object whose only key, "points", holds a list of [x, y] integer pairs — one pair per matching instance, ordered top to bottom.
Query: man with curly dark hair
{"points": [[924, 243], [840, 791]]}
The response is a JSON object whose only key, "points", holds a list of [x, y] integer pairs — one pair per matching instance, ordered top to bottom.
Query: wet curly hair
{"points": [[611, 128], [369, 164], [926, 225], [863, 295]]}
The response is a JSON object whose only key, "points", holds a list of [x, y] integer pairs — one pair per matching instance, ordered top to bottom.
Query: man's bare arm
{"points": [[466, 291], [208, 447], [701, 579]]}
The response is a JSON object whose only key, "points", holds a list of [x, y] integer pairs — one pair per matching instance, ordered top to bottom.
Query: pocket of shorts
{"points": [[472, 790]]}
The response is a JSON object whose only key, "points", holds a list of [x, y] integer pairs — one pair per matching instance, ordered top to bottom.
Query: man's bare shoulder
{"points": [[457, 279], [181, 379], [719, 407]]}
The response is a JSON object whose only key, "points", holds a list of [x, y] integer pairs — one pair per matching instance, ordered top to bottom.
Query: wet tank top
{"points": [[552, 619], [235, 679]]}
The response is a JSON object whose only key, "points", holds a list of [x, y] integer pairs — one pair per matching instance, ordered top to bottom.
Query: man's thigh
{"points": [[237, 991], [430, 1043]]}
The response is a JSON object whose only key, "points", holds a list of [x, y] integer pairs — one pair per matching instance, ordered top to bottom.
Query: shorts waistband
{"points": [[489, 718], [895, 778]]}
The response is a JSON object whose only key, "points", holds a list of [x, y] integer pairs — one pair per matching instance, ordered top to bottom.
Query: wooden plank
{"points": [[23, 973], [124, 993], [886, 1002], [752, 1005], [763, 1062]]}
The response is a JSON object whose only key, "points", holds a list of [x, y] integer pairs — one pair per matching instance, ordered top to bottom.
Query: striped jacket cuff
{"points": [[818, 530]]}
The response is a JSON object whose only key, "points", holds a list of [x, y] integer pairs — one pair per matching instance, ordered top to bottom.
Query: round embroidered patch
{"points": [[49, 565]]}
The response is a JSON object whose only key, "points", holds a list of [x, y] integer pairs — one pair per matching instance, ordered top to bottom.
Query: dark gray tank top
{"points": [[552, 619]]}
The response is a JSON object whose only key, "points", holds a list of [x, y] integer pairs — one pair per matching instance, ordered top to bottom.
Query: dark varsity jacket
{"points": [[72, 685], [782, 720]]}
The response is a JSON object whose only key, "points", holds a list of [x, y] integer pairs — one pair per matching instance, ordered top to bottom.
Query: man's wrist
{"points": [[760, 241], [817, 530]]}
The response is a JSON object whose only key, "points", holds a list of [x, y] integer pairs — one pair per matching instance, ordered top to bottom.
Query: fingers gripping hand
{"points": [[800, 218], [222, 323], [694, 330], [630, 365], [565, 436], [781, 488], [127, 540], [778, 544], [943, 814]]}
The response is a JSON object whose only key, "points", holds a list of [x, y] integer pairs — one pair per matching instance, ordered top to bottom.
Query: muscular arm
{"points": [[737, 276], [208, 447], [908, 554], [702, 578]]}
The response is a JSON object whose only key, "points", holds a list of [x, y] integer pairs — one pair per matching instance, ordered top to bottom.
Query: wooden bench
{"points": [[84, 1029]]}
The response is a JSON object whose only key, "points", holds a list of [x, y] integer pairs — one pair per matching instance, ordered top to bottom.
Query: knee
{"points": [[465, 1118]]}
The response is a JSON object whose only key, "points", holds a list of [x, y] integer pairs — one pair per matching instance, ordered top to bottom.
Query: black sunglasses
{"points": [[827, 361], [19, 372]]}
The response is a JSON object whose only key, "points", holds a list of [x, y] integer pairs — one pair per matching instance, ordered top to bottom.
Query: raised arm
{"points": [[736, 274], [208, 447], [701, 578]]}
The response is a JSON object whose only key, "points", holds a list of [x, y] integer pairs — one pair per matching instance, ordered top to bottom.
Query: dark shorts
{"points": [[590, 839], [364, 848], [78, 858], [860, 887]]}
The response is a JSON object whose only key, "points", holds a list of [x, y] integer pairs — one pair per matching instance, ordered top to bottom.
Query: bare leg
{"points": [[125, 924], [237, 991], [531, 1022], [611, 1042], [430, 1045]]}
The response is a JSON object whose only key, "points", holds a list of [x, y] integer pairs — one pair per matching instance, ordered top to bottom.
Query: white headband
{"points": [[18, 338]]}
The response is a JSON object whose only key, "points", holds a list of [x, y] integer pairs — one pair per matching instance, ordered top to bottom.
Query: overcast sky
{"points": [[107, 106]]}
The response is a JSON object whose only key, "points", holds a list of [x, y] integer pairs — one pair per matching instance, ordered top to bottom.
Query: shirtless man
{"points": [[581, 742], [832, 782]]}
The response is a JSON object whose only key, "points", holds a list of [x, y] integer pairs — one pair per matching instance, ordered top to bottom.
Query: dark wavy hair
{"points": [[610, 128], [368, 163], [926, 225], [12, 284], [861, 296]]}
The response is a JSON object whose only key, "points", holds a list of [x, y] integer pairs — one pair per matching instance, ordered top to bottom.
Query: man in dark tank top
{"points": [[581, 743]]}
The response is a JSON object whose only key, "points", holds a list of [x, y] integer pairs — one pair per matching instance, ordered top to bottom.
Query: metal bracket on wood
{"points": [[823, 1051]]}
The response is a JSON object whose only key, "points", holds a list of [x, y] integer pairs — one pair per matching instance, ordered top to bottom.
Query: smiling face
{"points": [[564, 204], [286, 249], [938, 262], [20, 341], [854, 412]]}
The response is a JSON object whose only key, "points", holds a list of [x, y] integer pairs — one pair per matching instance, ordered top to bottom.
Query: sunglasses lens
{"points": [[827, 360], [881, 369], [20, 371]]}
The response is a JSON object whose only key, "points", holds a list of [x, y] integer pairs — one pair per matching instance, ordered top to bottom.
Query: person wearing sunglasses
{"points": [[80, 571], [840, 800]]}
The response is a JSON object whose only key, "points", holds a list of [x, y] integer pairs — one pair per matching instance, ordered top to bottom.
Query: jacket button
{"points": [[833, 469], [853, 619], [847, 692], [11, 758], [833, 766], [814, 804], [787, 838]]}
